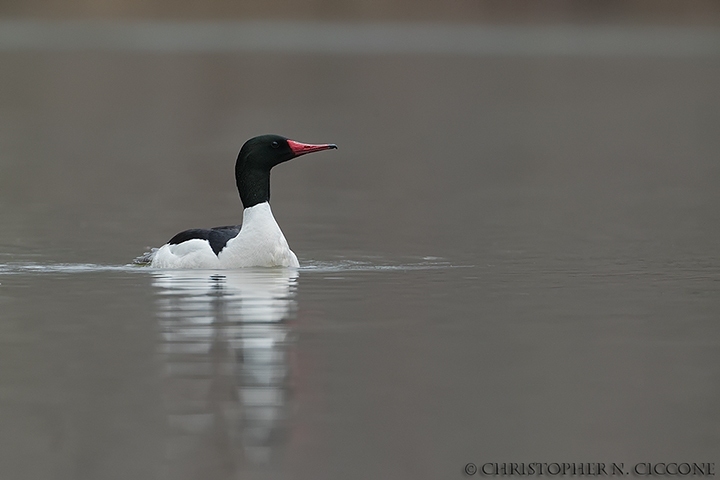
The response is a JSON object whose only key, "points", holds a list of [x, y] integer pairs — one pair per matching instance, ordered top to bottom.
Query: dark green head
{"points": [[258, 156]]}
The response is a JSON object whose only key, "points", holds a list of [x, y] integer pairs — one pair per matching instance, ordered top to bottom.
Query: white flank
{"points": [[195, 253]]}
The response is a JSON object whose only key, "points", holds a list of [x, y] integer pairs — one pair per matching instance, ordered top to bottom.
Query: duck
{"points": [[258, 240]]}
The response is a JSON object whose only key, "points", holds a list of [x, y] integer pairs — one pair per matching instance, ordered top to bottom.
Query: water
{"points": [[507, 260]]}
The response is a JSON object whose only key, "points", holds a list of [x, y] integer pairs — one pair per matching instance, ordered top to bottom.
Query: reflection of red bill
{"points": [[303, 148]]}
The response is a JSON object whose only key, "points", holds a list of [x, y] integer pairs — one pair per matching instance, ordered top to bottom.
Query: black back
{"points": [[216, 236]]}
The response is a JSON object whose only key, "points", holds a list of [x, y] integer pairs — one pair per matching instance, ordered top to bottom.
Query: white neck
{"points": [[258, 213]]}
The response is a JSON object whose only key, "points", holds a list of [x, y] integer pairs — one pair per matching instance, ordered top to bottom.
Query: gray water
{"points": [[509, 259]]}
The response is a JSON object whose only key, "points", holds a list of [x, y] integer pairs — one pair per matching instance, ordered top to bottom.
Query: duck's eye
{"points": [[275, 144]]}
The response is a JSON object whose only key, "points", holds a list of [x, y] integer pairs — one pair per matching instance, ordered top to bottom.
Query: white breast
{"points": [[260, 242]]}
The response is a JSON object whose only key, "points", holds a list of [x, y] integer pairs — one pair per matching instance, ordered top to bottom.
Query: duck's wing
{"points": [[217, 237]]}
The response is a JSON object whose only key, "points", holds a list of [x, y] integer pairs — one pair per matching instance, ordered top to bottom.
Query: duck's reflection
{"points": [[225, 342]]}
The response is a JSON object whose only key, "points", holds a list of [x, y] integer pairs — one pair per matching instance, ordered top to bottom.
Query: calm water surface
{"points": [[507, 260]]}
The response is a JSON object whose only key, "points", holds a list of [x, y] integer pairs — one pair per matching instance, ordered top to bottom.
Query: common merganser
{"points": [[258, 242]]}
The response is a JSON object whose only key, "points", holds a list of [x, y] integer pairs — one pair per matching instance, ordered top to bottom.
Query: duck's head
{"points": [[258, 156]]}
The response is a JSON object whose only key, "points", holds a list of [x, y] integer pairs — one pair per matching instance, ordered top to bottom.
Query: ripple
{"points": [[426, 263], [310, 266], [33, 267]]}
